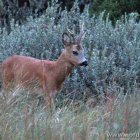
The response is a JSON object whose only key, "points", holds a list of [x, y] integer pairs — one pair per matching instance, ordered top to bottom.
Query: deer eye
{"points": [[75, 53]]}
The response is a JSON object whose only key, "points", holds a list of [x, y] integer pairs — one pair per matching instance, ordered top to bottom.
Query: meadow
{"points": [[23, 118]]}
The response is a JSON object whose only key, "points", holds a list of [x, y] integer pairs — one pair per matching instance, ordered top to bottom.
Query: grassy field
{"points": [[23, 117]]}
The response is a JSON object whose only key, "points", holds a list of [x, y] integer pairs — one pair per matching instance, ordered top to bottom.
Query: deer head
{"points": [[74, 51]]}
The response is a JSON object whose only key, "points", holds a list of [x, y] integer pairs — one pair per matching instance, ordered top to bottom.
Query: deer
{"points": [[44, 75]]}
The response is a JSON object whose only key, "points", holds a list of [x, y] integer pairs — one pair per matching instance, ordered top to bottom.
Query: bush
{"points": [[115, 8], [112, 52]]}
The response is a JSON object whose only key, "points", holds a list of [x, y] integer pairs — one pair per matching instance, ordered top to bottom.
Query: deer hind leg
{"points": [[8, 81]]}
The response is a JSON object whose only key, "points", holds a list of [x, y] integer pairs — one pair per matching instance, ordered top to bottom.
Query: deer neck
{"points": [[63, 68]]}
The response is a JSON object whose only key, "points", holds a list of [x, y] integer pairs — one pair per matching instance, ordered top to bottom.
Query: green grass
{"points": [[22, 117]]}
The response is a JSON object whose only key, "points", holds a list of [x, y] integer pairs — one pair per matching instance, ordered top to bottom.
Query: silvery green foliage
{"points": [[113, 53]]}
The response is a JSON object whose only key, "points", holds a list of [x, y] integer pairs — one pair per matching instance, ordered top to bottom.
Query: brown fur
{"points": [[26, 71]]}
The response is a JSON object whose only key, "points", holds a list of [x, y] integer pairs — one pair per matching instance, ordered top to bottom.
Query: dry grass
{"points": [[22, 117]]}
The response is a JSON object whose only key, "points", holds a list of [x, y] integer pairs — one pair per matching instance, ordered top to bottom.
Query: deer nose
{"points": [[85, 63]]}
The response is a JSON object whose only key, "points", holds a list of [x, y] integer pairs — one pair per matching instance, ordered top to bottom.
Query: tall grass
{"points": [[23, 118]]}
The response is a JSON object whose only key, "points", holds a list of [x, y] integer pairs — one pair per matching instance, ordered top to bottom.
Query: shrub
{"points": [[112, 52]]}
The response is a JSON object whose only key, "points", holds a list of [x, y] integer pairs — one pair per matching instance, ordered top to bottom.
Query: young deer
{"points": [[44, 75]]}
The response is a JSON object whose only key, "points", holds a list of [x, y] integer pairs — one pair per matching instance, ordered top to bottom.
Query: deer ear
{"points": [[66, 39]]}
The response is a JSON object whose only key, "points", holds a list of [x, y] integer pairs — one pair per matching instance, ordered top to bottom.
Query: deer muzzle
{"points": [[85, 63]]}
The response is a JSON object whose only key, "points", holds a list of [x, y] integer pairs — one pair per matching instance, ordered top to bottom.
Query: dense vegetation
{"points": [[116, 8], [21, 9], [113, 53], [21, 118]]}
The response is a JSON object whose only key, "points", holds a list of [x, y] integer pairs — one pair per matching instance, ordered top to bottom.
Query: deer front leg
{"points": [[49, 100]]}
